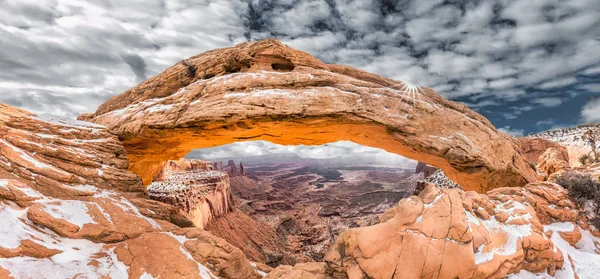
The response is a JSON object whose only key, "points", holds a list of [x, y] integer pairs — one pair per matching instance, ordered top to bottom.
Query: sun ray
{"points": [[409, 94]]}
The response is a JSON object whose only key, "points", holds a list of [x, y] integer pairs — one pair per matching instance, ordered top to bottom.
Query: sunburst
{"points": [[409, 94]]}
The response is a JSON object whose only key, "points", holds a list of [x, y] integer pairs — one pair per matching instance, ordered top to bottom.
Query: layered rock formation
{"points": [[269, 91], [571, 139], [533, 148], [51, 152], [552, 161], [183, 165], [232, 169], [426, 174], [242, 186], [197, 191], [202, 191], [70, 208], [63, 212], [54, 224], [447, 233], [259, 241]]}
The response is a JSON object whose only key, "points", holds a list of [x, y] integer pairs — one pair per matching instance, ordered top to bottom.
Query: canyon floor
{"points": [[310, 202]]}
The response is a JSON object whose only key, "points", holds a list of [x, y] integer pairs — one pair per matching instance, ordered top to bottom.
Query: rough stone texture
{"points": [[269, 91], [572, 140], [533, 148], [51, 152], [551, 162], [183, 165], [426, 169], [592, 169], [233, 171], [426, 174], [440, 180], [197, 191], [63, 212], [447, 233], [259, 241], [313, 270]]}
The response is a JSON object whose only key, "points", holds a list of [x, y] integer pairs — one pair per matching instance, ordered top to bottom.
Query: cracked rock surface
{"points": [[448, 233]]}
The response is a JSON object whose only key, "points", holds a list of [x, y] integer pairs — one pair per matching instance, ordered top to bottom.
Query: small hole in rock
{"points": [[282, 67]]}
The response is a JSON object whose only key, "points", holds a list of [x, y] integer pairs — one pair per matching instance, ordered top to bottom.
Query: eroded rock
{"points": [[244, 92], [533, 148], [58, 155], [552, 161], [195, 189], [63, 210], [447, 233]]}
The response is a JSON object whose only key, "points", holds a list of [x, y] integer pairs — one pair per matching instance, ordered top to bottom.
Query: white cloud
{"points": [[102, 48], [480, 49], [591, 71], [503, 83], [557, 83], [592, 87], [548, 102], [591, 111], [544, 122], [512, 132], [340, 149]]}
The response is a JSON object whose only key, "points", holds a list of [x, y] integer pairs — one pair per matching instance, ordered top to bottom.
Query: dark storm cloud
{"points": [[498, 56]]}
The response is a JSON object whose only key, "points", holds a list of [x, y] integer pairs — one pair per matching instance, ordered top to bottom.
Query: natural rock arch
{"points": [[269, 91]]}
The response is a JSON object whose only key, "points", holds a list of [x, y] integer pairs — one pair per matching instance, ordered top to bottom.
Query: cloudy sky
{"points": [[527, 65], [346, 150]]}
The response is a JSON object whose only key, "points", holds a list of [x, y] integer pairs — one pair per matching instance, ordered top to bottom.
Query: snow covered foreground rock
{"points": [[63, 213], [447, 233]]}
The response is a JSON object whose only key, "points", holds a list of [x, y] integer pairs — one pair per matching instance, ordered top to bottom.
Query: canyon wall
{"points": [[268, 91], [195, 189]]}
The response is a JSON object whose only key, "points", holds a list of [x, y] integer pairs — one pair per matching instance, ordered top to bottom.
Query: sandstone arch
{"points": [[269, 91]]}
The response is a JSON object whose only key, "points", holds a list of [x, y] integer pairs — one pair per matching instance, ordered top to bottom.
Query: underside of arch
{"points": [[236, 94]]}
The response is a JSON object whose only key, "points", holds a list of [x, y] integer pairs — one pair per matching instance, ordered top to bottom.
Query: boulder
{"points": [[533, 148], [551, 162], [448, 233], [312, 270]]}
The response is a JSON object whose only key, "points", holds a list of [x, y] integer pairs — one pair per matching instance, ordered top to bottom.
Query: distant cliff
{"points": [[195, 188]]}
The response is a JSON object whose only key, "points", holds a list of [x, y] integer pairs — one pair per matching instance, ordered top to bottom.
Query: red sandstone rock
{"points": [[268, 91], [533, 148], [51, 152], [550, 162], [183, 165], [233, 171], [197, 191], [63, 212], [446, 233], [571, 237], [256, 239], [301, 271]]}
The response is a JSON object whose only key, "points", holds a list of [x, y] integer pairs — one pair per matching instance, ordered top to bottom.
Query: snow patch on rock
{"points": [[73, 211]]}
